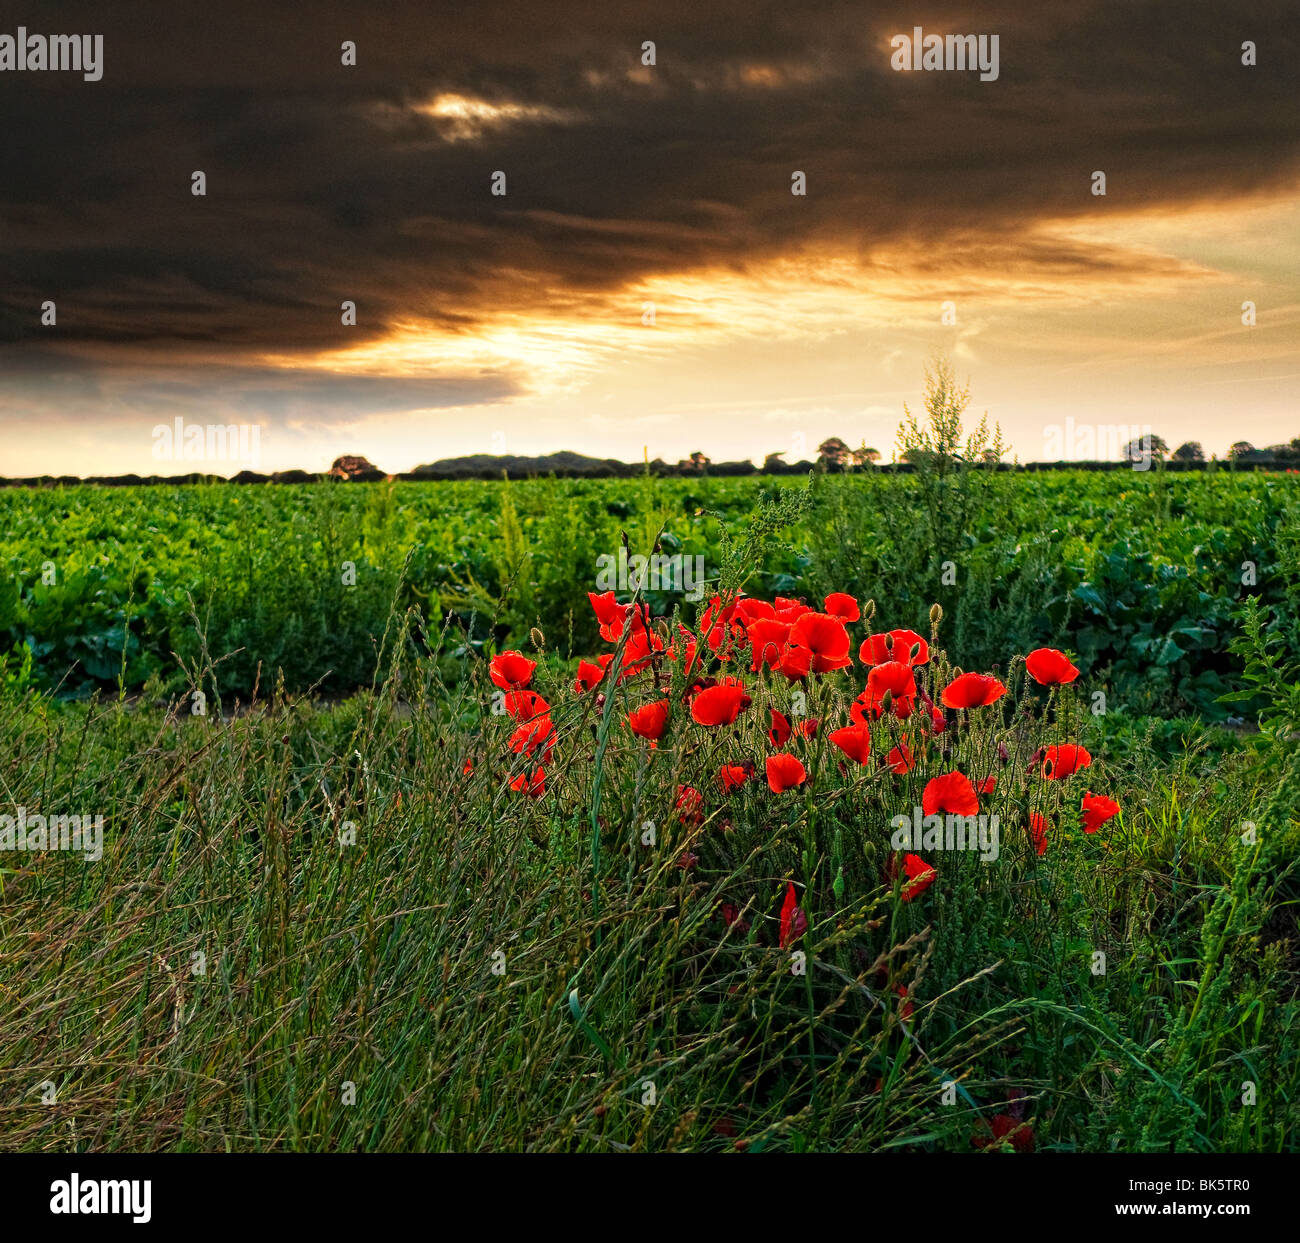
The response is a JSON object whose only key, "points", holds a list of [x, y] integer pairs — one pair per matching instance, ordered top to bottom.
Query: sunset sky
{"points": [[515, 323]]}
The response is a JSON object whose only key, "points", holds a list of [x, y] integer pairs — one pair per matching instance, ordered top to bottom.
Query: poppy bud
{"points": [[869, 611], [936, 614], [537, 639], [600, 701], [1003, 754]]}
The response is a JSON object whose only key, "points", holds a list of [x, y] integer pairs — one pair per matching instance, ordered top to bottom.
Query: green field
{"points": [[1141, 571], [337, 909]]}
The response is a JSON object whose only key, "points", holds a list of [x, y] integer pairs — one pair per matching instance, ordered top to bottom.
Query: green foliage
{"points": [[1142, 570]]}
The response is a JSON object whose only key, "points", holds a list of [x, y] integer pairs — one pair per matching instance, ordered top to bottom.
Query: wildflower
{"points": [[841, 605], [609, 615], [824, 639], [767, 642], [904, 646], [1048, 667], [511, 671], [590, 674], [890, 685], [973, 690], [720, 704], [525, 705], [650, 720], [779, 732], [534, 736], [854, 741], [900, 759], [1061, 762], [784, 771], [733, 776], [533, 784], [951, 793], [689, 805], [1096, 809], [1038, 827], [920, 875], [731, 917], [794, 923], [1004, 1128]]}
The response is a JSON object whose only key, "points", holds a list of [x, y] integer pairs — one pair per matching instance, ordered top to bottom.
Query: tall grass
{"points": [[313, 928]]}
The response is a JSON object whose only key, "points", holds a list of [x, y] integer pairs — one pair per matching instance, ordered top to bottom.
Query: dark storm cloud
{"points": [[327, 183]]}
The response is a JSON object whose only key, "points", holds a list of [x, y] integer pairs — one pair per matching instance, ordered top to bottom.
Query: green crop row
{"points": [[1137, 574]]}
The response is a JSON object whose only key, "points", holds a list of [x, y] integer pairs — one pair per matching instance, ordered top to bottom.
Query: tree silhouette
{"points": [[1143, 447], [833, 454]]}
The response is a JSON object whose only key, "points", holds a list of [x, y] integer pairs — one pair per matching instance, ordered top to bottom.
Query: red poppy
{"points": [[845, 607], [750, 610], [788, 610], [718, 613], [609, 614], [725, 637], [824, 638], [767, 642], [904, 646], [639, 651], [796, 662], [1048, 667], [511, 671], [590, 674], [890, 685], [973, 690], [720, 704], [525, 705], [649, 721], [779, 733], [536, 735], [854, 741], [900, 759], [1060, 762], [469, 766], [784, 772], [733, 776], [533, 784], [987, 786], [951, 793], [689, 805], [1096, 809], [1038, 827], [920, 876], [731, 917], [794, 923], [905, 1010], [1003, 1128]]}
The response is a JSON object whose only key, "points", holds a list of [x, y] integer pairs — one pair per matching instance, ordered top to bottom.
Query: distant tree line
{"points": [[834, 456]]}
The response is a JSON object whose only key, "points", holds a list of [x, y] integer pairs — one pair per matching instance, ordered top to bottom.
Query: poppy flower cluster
{"points": [[696, 686]]}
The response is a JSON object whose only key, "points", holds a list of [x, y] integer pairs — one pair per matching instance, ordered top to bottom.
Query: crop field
{"points": [[948, 811]]}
